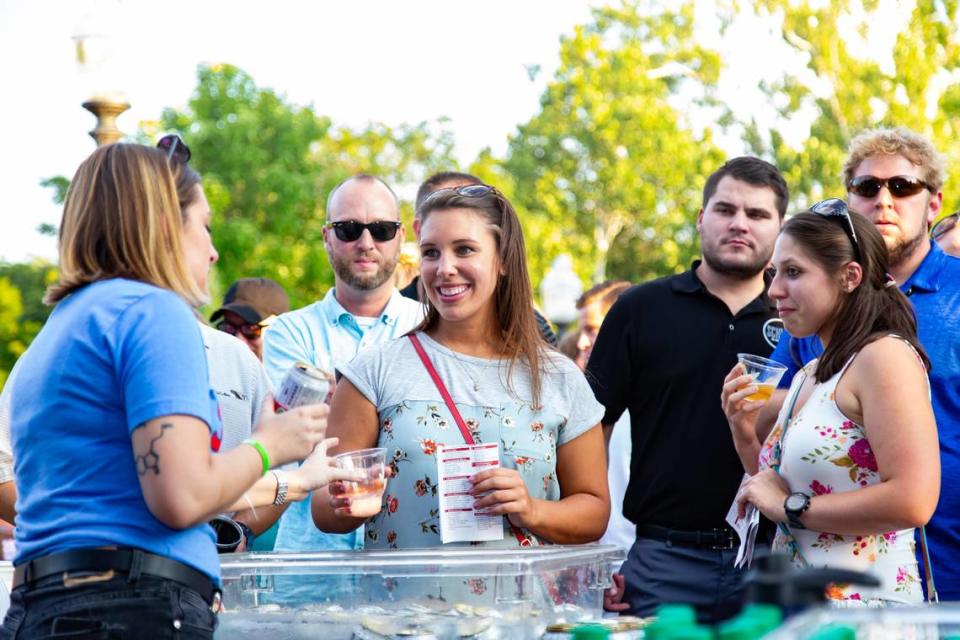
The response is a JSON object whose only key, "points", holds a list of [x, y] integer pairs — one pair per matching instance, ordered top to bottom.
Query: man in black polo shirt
{"points": [[662, 353]]}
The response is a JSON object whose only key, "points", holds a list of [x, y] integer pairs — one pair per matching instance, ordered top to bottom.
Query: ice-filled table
{"points": [[483, 594]]}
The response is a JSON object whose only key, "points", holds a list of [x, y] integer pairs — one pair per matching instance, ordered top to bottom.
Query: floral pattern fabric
{"points": [[414, 421], [824, 452]]}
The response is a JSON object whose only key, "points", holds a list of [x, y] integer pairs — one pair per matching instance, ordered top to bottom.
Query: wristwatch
{"points": [[281, 487], [794, 506], [248, 535]]}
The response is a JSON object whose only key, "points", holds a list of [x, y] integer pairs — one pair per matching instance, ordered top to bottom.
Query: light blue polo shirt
{"points": [[934, 291], [328, 336]]}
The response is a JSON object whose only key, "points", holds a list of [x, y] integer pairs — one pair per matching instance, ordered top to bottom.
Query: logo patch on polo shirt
{"points": [[772, 330]]}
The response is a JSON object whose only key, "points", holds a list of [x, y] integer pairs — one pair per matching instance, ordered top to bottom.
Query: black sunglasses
{"points": [[175, 147], [899, 186], [835, 208], [944, 225], [351, 230], [249, 331]]}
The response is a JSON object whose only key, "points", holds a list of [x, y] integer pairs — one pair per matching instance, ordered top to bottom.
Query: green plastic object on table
{"points": [[676, 613], [676, 622], [752, 623], [670, 631], [591, 632], [834, 632]]}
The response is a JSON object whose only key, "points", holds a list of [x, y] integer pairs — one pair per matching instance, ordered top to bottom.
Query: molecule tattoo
{"points": [[150, 461]]}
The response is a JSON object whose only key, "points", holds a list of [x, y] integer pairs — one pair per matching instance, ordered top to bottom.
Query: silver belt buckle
{"points": [[725, 545], [217, 605]]}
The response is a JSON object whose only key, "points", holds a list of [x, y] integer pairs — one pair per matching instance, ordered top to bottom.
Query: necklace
{"points": [[466, 370]]}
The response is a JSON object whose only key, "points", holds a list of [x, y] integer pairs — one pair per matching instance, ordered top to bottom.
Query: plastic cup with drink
{"points": [[766, 374], [366, 495]]}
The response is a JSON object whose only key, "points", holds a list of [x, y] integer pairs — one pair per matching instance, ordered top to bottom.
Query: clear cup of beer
{"points": [[766, 374], [365, 495]]}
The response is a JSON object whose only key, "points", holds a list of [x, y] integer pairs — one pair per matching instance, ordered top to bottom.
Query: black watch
{"points": [[794, 506], [248, 535]]}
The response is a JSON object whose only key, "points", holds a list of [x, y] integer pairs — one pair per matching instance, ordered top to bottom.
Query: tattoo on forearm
{"points": [[150, 461]]}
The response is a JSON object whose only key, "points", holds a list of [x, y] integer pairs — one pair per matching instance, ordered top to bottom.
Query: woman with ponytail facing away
{"points": [[851, 466]]}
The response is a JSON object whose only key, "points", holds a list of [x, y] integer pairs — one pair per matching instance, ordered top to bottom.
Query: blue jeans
{"points": [[657, 572], [110, 609]]}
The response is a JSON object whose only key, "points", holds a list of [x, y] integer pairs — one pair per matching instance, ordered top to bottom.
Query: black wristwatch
{"points": [[794, 506], [248, 535]]}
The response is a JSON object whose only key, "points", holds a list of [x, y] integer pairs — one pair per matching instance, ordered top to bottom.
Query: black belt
{"points": [[705, 539], [120, 560]]}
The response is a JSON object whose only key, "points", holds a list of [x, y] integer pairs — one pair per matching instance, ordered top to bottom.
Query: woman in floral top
{"points": [[510, 388], [852, 465]]}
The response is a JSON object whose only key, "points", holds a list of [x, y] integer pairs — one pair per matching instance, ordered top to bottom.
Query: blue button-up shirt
{"points": [[934, 290], [328, 336]]}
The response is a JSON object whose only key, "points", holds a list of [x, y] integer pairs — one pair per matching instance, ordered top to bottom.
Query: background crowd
{"points": [[151, 433]]}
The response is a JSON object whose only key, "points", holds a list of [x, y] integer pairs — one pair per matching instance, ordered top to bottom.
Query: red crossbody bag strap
{"points": [[442, 388], [448, 399]]}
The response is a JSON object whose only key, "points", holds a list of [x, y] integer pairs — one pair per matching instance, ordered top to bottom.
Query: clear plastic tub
{"points": [[440, 593], [925, 622]]}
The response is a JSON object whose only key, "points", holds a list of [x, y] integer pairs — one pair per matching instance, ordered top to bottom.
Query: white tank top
{"points": [[822, 451]]}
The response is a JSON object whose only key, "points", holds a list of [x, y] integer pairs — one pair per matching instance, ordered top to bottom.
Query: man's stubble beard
{"points": [[899, 254], [737, 271], [384, 272]]}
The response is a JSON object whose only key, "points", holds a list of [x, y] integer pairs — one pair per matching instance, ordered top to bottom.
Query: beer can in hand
{"points": [[303, 384]]}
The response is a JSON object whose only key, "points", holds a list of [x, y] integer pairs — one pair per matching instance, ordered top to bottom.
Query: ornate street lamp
{"points": [[97, 63], [106, 111], [559, 291]]}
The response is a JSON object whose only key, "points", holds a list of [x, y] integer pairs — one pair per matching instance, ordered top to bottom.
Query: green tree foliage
{"points": [[917, 87], [268, 166], [610, 168], [11, 306], [22, 311]]}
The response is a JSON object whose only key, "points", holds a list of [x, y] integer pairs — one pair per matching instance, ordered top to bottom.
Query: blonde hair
{"points": [[897, 141], [122, 219]]}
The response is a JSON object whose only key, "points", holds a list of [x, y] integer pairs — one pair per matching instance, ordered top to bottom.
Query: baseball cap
{"points": [[256, 300]]}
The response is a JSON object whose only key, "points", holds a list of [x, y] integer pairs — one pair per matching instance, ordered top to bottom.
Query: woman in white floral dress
{"points": [[509, 386], [851, 467]]}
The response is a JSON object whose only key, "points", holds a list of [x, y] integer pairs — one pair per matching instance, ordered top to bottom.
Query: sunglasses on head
{"points": [[175, 148], [899, 186], [467, 191], [836, 209], [944, 225], [351, 230], [249, 331]]}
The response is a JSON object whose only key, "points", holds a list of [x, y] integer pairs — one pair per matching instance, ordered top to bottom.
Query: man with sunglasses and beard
{"points": [[893, 177], [363, 236], [662, 353]]}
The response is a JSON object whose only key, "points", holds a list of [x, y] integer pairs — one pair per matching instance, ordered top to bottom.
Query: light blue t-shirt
{"points": [[328, 336], [112, 356], [496, 405]]}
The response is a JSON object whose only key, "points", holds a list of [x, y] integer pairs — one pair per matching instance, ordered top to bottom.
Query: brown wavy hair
{"points": [[897, 141], [122, 219], [607, 292], [876, 308], [517, 329]]}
